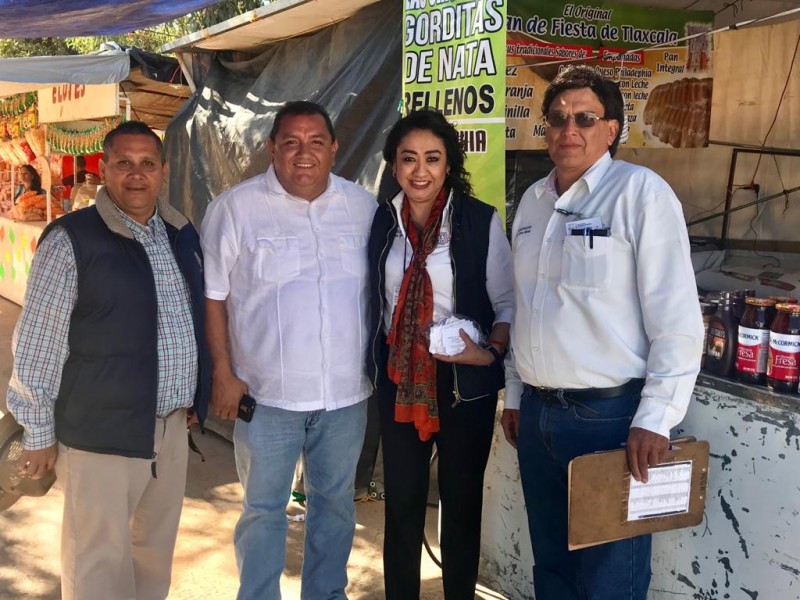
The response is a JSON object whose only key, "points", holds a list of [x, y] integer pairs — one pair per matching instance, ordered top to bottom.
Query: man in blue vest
{"points": [[110, 365]]}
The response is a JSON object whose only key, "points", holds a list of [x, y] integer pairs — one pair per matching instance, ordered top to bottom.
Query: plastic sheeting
{"points": [[57, 18], [352, 68], [18, 75], [153, 84]]}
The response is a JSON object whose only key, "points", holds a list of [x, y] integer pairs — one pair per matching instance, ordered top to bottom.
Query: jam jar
{"points": [[783, 299], [753, 340], [784, 349]]}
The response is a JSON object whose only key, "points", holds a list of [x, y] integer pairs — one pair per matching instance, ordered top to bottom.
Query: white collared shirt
{"points": [[294, 274], [499, 282], [596, 312]]}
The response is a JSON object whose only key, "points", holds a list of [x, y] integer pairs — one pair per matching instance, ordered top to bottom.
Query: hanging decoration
{"points": [[16, 105], [19, 126], [14, 127], [36, 140], [80, 141], [16, 152]]}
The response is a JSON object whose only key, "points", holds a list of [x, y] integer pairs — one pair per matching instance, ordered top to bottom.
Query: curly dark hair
{"points": [[583, 76], [435, 122]]}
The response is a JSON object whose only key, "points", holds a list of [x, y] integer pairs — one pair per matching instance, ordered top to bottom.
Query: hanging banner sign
{"points": [[454, 60], [667, 89], [74, 102]]}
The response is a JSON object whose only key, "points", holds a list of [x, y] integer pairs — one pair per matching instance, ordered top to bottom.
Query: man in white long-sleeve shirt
{"points": [[286, 301], [607, 332]]}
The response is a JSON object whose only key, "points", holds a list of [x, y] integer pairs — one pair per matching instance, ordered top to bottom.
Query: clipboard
{"points": [[599, 487]]}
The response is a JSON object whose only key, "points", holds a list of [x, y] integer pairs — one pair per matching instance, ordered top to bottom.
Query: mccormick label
{"points": [[753, 349], [783, 354]]}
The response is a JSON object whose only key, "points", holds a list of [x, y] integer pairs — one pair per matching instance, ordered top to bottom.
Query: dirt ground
{"points": [[204, 566]]}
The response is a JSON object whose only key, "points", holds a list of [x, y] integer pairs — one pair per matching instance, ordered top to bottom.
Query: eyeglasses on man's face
{"points": [[584, 119]]}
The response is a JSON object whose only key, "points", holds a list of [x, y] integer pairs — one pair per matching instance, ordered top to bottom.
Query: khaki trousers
{"points": [[120, 523]]}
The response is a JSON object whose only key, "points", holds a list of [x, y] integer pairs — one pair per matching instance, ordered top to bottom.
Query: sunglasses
{"points": [[584, 120]]}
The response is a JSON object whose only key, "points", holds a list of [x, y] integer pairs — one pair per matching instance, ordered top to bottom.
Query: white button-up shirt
{"points": [[439, 264], [294, 274], [594, 313]]}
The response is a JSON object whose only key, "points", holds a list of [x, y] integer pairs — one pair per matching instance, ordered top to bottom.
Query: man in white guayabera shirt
{"points": [[286, 289], [607, 332]]}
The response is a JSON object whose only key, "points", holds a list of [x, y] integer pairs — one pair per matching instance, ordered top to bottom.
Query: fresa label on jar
{"points": [[753, 350], [783, 356]]}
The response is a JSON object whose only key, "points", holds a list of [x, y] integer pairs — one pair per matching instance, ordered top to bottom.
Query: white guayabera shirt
{"points": [[294, 274]]}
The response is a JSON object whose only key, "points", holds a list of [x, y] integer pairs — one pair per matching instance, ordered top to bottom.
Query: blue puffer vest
{"points": [[469, 248], [107, 399]]}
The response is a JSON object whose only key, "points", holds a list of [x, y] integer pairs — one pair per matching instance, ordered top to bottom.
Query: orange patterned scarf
{"points": [[411, 366]]}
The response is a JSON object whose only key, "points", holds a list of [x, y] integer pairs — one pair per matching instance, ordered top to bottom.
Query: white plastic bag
{"points": [[444, 337]]}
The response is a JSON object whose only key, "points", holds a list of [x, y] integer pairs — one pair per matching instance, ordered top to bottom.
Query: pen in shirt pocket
{"points": [[590, 233]]}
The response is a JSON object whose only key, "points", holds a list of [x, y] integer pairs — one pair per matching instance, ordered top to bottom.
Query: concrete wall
{"points": [[748, 546], [506, 554]]}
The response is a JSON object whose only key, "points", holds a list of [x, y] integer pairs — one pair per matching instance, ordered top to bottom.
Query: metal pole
{"points": [[186, 73], [729, 197], [749, 204]]}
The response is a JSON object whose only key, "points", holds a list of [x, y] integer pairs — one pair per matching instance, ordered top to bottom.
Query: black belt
{"points": [[557, 395]]}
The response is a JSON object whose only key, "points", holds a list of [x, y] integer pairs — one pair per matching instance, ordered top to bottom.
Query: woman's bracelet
{"points": [[501, 346], [493, 351]]}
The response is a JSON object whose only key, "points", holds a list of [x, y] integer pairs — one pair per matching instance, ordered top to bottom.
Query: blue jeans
{"points": [[550, 435], [266, 451]]}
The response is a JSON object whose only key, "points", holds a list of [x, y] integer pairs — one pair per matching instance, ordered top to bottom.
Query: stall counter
{"points": [[18, 240], [747, 546]]}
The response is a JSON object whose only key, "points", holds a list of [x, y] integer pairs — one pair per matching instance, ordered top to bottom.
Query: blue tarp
{"points": [[69, 18]]}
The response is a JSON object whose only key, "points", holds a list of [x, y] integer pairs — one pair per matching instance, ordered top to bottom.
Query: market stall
{"points": [[54, 112], [41, 149], [739, 197]]}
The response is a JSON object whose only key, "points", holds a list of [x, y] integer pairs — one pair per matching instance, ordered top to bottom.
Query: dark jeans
{"points": [[550, 435], [463, 443]]}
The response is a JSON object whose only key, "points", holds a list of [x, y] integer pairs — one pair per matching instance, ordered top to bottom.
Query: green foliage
{"points": [[222, 11], [147, 39], [34, 47]]}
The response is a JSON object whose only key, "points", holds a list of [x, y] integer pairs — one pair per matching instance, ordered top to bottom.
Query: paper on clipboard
{"points": [[667, 492], [606, 505]]}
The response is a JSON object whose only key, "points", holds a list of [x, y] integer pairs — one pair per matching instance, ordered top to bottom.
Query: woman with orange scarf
{"points": [[435, 251]]}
